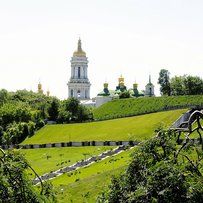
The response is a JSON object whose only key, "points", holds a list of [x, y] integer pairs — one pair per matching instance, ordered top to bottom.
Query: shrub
{"points": [[155, 174]]}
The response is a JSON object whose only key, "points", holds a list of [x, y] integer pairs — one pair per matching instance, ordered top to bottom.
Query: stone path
{"points": [[79, 164]]}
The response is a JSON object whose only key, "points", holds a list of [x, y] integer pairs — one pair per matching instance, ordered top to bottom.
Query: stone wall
{"points": [[72, 144]]}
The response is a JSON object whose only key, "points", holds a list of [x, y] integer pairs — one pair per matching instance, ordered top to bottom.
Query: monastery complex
{"points": [[79, 84]]}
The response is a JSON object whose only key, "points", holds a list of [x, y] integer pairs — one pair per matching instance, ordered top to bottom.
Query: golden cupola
{"points": [[79, 52], [121, 79], [121, 84], [106, 85], [135, 85], [39, 86], [40, 90]]}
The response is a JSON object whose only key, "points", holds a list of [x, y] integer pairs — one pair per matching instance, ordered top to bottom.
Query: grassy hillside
{"points": [[136, 106], [132, 128], [50, 159], [89, 181], [87, 189]]}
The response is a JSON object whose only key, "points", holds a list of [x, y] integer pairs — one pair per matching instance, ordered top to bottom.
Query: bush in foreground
{"points": [[160, 171], [15, 185]]}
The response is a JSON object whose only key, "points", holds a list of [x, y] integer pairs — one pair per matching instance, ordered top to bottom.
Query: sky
{"points": [[134, 38]]}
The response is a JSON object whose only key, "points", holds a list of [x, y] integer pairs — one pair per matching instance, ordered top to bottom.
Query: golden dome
{"points": [[79, 52], [121, 79], [122, 83], [106, 85], [135, 85], [39, 86], [40, 90]]}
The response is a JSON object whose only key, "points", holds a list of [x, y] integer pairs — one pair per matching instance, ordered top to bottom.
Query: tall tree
{"points": [[164, 81], [177, 85], [193, 85], [72, 105], [53, 110]]}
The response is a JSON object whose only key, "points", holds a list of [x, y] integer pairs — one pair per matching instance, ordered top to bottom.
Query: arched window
{"points": [[78, 72], [78, 93]]}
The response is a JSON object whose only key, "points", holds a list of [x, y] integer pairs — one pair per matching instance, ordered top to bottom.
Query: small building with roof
{"points": [[149, 89]]}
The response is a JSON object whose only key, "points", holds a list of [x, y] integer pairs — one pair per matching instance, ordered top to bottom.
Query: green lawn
{"points": [[131, 128], [50, 159], [86, 183], [87, 189]]}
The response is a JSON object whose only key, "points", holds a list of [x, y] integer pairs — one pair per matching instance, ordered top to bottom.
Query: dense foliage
{"points": [[164, 81], [179, 85], [186, 85], [136, 106], [72, 111], [23, 112], [160, 172], [15, 185]]}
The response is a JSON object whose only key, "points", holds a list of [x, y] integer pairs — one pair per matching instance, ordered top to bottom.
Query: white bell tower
{"points": [[79, 85], [149, 89]]}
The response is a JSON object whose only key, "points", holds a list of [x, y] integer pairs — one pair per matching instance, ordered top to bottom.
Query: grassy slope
{"points": [[136, 106], [132, 128], [59, 157], [91, 179], [87, 189]]}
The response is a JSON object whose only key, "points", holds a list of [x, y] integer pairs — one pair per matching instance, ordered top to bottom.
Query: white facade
{"points": [[79, 85], [149, 89], [100, 100]]}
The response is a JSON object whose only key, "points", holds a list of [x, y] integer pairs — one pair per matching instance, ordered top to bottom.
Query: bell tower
{"points": [[79, 85], [149, 89]]}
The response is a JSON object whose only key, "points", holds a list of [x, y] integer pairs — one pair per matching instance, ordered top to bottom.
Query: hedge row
{"points": [[138, 106]]}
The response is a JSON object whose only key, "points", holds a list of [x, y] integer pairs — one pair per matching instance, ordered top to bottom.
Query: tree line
{"points": [[179, 85], [23, 112]]}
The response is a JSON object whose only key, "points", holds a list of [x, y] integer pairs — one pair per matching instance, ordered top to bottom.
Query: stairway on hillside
{"points": [[79, 164]]}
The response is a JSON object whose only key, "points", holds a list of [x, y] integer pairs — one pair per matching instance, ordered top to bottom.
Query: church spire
{"points": [[79, 45], [79, 52], [150, 79], [40, 90]]}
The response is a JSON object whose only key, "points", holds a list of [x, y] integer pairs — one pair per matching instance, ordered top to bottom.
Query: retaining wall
{"points": [[72, 144]]}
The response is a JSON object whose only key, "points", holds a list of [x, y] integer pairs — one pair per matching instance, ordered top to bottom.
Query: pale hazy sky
{"points": [[128, 37]]}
